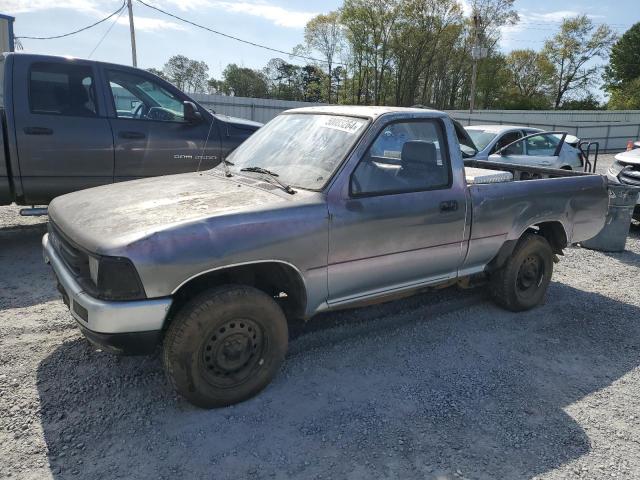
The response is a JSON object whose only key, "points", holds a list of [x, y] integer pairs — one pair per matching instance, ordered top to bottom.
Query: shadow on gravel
{"points": [[25, 278], [401, 390]]}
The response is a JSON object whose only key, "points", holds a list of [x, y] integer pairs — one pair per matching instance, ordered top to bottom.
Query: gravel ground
{"points": [[443, 385]]}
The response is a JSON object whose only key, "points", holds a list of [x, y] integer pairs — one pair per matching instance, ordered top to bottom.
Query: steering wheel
{"points": [[137, 113], [159, 113]]}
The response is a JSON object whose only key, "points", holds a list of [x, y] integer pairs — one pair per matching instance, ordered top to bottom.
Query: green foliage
{"points": [[578, 42], [406, 52], [624, 61], [156, 72], [186, 74], [622, 75], [243, 82], [626, 96], [588, 102]]}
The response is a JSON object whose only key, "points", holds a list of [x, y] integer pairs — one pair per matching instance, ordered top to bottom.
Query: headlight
{"points": [[115, 278]]}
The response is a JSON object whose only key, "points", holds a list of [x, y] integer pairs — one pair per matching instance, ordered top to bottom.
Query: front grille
{"points": [[74, 258]]}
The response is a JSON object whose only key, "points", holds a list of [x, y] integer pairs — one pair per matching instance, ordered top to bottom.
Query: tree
{"points": [[369, 26], [324, 34], [570, 50], [624, 61], [176, 70], [156, 72], [186, 74], [622, 75], [197, 76], [529, 80], [244, 82], [626, 97], [588, 102]]}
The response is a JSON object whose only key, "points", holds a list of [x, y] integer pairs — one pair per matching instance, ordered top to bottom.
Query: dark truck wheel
{"points": [[522, 282], [225, 345]]}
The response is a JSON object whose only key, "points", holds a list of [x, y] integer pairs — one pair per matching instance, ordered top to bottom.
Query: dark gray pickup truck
{"points": [[70, 124], [315, 212]]}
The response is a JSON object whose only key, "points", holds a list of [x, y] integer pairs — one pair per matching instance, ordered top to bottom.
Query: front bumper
{"points": [[116, 326]]}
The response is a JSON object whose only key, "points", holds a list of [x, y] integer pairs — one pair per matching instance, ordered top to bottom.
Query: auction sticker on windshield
{"points": [[344, 124]]}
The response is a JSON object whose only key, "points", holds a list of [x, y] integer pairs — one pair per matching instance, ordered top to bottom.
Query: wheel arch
{"points": [[553, 231], [281, 280]]}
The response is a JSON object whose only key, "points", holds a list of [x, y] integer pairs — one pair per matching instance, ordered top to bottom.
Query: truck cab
{"points": [[71, 124]]}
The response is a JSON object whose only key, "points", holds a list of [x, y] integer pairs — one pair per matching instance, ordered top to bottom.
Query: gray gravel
{"points": [[442, 385]]}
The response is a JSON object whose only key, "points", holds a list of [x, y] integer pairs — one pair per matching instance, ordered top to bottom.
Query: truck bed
{"points": [[501, 212]]}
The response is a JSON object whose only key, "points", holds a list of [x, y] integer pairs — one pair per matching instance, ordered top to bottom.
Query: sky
{"points": [[276, 23]]}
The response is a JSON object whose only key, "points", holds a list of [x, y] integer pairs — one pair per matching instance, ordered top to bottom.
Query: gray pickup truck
{"points": [[69, 124], [312, 213]]}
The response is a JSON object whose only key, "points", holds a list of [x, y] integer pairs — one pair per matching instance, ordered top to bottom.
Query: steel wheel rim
{"points": [[530, 275], [233, 352]]}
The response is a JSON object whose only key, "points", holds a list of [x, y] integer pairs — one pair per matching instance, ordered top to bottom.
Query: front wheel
{"points": [[522, 282], [225, 345]]}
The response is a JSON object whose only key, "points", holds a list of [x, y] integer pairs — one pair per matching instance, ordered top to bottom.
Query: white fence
{"points": [[258, 109], [612, 129]]}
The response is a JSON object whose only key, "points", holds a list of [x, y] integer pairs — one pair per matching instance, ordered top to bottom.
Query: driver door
{"points": [[151, 136]]}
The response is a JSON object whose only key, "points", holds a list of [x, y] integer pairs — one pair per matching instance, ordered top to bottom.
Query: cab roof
{"points": [[367, 111], [499, 128]]}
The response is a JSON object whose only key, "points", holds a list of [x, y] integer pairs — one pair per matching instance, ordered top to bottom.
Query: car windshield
{"points": [[481, 138], [302, 149]]}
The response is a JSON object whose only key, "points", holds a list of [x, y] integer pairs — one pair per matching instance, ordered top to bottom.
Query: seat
{"points": [[419, 165]]}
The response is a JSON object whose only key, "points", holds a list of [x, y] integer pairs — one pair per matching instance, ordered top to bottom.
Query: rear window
{"points": [[62, 89]]}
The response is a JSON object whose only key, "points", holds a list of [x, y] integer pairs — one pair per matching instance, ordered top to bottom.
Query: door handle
{"points": [[37, 131], [132, 135], [449, 206]]}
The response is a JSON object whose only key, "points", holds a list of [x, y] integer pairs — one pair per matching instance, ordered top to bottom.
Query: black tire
{"points": [[522, 282], [225, 345]]}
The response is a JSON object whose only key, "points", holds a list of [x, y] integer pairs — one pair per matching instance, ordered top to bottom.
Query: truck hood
{"points": [[239, 122], [631, 157], [104, 218]]}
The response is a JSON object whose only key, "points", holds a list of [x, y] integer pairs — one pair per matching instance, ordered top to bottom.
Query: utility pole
{"points": [[133, 34], [475, 55]]}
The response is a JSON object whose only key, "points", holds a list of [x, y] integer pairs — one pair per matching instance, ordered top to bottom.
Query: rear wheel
{"points": [[522, 282], [225, 346]]}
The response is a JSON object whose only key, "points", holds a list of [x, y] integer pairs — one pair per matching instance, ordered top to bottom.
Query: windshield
{"points": [[481, 137], [302, 149]]}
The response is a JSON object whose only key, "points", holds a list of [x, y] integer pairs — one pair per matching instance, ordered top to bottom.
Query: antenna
{"points": [[227, 173]]}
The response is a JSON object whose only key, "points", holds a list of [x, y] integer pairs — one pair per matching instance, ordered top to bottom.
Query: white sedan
{"points": [[526, 146]]}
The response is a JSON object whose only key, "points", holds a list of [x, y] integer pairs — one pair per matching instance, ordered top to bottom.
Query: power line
{"points": [[76, 31], [107, 32], [233, 37]]}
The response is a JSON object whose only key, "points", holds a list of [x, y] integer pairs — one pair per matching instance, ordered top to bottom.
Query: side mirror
{"points": [[191, 113]]}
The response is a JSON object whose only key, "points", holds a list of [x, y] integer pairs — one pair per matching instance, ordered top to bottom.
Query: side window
{"points": [[62, 89], [136, 96], [508, 138], [542, 145], [405, 157]]}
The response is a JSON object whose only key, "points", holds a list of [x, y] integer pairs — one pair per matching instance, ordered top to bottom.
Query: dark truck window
{"points": [[62, 89], [136, 96], [405, 157]]}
